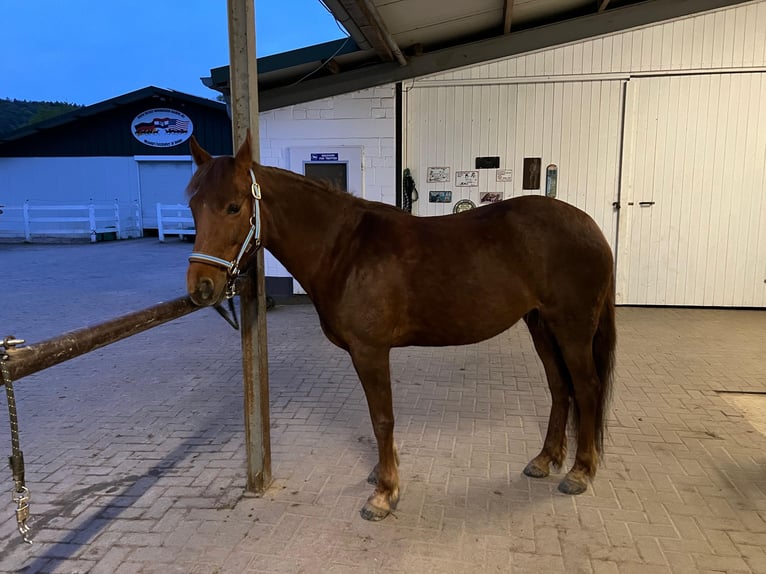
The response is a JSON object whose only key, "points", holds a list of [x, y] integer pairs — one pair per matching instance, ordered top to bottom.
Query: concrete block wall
{"points": [[366, 118]]}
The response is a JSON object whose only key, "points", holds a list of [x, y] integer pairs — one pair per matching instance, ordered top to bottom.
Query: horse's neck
{"points": [[302, 224]]}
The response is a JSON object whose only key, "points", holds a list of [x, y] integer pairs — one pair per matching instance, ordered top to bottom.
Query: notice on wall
{"points": [[324, 157], [438, 175], [504, 175], [467, 178]]}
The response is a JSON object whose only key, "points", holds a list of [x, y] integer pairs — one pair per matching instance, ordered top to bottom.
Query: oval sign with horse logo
{"points": [[161, 127]]}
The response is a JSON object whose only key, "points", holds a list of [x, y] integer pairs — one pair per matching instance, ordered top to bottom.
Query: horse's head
{"points": [[221, 198]]}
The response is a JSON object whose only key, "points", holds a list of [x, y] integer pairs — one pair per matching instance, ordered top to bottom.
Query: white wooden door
{"points": [[693, 217]]}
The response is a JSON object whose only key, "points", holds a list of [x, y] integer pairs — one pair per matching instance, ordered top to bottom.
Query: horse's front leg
{"points": [[372, 366]]}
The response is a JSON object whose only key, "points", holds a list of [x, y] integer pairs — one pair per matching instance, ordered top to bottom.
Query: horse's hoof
{"points": [[536, 470], [373, 476], [572, 485], [379, 505], [373, 513]]}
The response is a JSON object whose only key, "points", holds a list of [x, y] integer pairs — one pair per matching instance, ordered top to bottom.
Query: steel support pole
{"points": [[244, 113]]}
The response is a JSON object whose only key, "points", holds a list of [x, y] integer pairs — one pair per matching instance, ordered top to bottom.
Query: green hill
{"points": [[15, 114]]}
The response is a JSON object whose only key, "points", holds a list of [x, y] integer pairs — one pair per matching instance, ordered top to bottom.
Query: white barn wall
{"points": [[586, 107], [365, 118], [575, 125], [70, 180], [101, 180], [51, 181]]}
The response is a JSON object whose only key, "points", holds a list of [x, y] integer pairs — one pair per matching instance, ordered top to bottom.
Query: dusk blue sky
{"points": [[87, 51]]}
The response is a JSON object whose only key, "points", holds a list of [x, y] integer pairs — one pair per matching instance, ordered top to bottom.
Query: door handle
{"points": [[645, 203]]}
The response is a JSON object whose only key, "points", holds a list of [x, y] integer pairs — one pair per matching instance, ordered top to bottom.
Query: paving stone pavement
{"points": [[135, 452]]}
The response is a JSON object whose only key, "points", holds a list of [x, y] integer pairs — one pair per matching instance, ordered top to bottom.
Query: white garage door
{"points": [[162, 182], [693, 218]]}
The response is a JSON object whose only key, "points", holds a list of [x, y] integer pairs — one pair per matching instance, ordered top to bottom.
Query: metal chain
{"points": [[13, 415], [20, 493]]}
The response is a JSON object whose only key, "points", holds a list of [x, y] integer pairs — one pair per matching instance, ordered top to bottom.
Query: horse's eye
{"points": [[232, 209]]}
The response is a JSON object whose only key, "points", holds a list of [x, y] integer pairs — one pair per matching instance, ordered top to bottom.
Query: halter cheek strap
{"points": [[253, 239]]}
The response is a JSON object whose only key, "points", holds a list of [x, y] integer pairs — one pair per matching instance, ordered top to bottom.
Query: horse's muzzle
{"points": [[203, 292]]}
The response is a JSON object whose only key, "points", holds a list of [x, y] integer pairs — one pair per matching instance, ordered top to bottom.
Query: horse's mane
{"points": [[220, 168], [325, 187]]}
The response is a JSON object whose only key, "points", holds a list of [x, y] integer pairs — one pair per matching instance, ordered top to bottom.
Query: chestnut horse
{"points": [[382, 278]]}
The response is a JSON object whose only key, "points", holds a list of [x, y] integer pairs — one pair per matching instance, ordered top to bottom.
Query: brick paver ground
{"points": [[135, 452]]}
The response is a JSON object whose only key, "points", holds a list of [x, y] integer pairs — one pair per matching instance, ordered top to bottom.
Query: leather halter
{"points": [[253, 239]]}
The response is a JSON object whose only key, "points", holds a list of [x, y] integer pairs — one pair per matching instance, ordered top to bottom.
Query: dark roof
{"points": [[111, 104], [103, 129]]}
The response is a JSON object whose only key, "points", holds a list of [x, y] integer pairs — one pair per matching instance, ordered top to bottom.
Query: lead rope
{"points": [[20, 493]]}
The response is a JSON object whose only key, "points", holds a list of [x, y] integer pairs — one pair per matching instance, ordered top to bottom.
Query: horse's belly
{"points": [[459, 325]]}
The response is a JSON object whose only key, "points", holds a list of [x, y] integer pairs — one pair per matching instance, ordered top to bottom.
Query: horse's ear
{"points": [[199, 155], [244, 156]]}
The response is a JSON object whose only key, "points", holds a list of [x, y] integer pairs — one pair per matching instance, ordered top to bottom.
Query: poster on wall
{"points": [[161, 127], [532, 173], [438, 175], [504, 175], [467, 178], [440, 197], [490, 197]]}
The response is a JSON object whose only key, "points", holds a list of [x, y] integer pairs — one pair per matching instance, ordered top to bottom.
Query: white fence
{"points": [[174, 220], [92, 221]]}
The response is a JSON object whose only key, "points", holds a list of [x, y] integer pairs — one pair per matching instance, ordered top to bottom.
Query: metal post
{"points": [[244, 111], [117, 220], [92, 221], [27, 226], [160, 228]]}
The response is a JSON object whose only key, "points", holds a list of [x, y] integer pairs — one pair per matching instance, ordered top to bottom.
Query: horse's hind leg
{"points": [[578, 355], [372, 366], [555, 446]]}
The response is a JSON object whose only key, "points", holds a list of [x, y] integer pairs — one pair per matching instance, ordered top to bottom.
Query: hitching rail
{"points": [[24, 361]]}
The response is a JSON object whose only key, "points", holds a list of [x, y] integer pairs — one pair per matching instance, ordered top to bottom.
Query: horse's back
{"points": [[463, 278]]}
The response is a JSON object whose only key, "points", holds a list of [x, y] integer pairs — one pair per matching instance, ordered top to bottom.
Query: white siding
{"points": [[575, 125], [696, 147], [73, 180]]}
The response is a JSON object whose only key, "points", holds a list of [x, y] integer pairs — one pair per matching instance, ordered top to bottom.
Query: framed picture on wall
{"points": [[531, 173], [490, 197]]}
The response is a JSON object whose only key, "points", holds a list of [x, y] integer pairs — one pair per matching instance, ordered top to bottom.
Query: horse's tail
{"points": [[604, 344]]}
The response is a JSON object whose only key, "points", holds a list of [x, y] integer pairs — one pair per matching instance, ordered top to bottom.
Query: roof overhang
{"points": [[431, 41]]}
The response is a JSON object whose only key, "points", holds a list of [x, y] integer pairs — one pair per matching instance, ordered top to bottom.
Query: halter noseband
{"points": [[253, 238]]}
